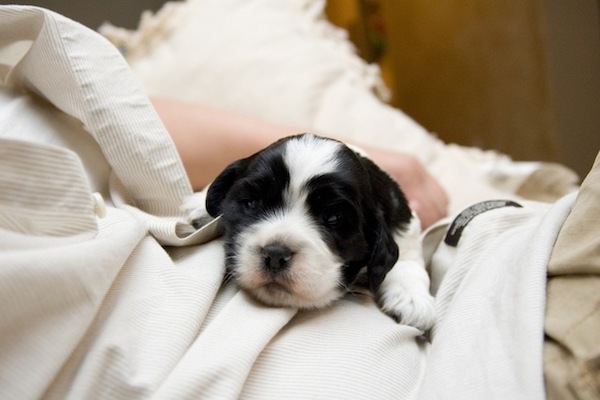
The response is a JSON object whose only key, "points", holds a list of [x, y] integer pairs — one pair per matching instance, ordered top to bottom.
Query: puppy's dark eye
{"points": [[251, 204], [333, 219]]}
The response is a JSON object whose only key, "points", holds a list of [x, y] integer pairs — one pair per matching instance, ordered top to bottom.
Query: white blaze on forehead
{"points": [[307, 157]]}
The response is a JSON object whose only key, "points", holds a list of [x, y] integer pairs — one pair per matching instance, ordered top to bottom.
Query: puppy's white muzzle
{"points": [[284, 261]]}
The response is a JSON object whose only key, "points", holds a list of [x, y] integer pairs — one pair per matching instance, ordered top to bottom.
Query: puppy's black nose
{"points": [[276, 257]]}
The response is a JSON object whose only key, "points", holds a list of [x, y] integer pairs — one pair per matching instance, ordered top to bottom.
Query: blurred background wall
{"points": [[92, 13], [519, 76]]}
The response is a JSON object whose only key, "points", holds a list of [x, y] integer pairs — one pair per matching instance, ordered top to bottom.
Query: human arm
{"points": [[208, 139], [425, 195]]}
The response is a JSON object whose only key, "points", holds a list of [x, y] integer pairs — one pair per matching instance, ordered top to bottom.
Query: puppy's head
{"points": [[303, 217]]}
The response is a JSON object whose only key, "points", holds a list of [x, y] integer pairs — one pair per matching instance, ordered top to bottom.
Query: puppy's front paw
{"points": [[195, 208], [412, 306]]}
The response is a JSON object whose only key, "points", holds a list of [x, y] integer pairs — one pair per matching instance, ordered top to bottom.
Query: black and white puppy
{"points": [[303, 217]]}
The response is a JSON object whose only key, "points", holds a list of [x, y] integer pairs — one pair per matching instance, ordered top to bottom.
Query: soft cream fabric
{"points": [[284, 62], [104, 97], [490, 297], [96, 307], [572, 347]]}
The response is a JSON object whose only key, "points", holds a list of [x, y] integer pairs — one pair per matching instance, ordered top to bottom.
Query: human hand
{"points": [[425, 195]]}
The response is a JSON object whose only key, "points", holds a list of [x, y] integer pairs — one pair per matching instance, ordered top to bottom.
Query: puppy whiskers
{"points": [[229, 273]]}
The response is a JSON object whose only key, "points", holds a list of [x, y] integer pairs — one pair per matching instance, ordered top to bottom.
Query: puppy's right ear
{"points": [[217, 191]]}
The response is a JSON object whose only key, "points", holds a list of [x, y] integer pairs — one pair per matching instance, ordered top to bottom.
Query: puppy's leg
{"points": [[404, 293]]}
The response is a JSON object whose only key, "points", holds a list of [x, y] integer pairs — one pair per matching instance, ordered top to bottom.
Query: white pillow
{"points": [[279, 60]]}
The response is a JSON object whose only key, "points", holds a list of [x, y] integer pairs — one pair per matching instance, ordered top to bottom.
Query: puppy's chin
{"points": [[290, 289], [280, 295]]}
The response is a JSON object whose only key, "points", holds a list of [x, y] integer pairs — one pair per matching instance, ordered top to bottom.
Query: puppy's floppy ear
{"points": [[221, 185], [385, 210], [384, 253]]}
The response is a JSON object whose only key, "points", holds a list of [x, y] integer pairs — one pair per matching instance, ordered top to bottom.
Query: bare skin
{"points": [[208, 139]]}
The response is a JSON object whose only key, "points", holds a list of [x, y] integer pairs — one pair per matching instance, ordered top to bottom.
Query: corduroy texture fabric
{"points": [[51, 56], [104, 307], [572, 326], [487, 343]]}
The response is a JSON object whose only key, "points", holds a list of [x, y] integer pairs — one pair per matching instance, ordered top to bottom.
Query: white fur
{"points": [[308, 157], [312, 279], [404, 293]]}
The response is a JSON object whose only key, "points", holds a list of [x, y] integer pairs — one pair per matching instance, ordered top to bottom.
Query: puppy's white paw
{"points": [[195, 208], [409, 304]]}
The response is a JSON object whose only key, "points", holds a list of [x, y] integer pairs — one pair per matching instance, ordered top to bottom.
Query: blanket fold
{"points": [[86, 77]]}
